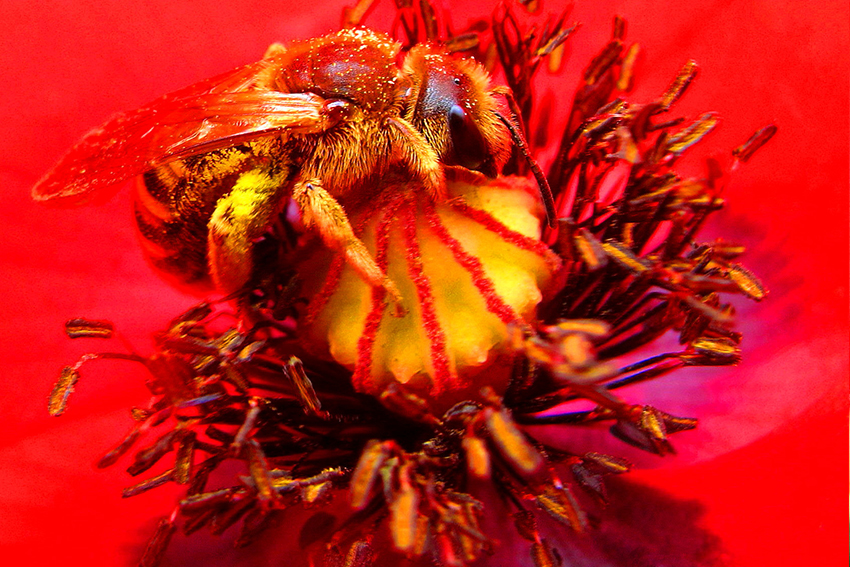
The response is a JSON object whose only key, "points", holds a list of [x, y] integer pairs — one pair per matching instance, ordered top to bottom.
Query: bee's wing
{"points": [[216, 113]]}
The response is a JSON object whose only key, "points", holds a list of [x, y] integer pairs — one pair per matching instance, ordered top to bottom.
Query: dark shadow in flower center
{"points": [[647, 527]]}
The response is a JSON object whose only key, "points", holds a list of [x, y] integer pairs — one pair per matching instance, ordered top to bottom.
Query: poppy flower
{"points": [[761, 481]]}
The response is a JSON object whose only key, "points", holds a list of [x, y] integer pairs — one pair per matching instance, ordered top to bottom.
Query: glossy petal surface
{"points": [[762, 481]]}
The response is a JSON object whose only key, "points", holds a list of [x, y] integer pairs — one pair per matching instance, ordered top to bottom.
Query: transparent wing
{"points": [[216, 113]]}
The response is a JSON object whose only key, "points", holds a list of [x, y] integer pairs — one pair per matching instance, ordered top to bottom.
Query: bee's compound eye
{"points": [[468, 144]]}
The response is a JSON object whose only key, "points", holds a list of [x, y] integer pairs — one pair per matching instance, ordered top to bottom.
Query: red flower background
{"points": [[763, 481]]}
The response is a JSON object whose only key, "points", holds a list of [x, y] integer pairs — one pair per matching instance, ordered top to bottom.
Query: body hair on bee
{"points": [[321, 123]]}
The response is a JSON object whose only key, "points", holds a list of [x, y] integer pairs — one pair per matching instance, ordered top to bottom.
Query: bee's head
{"points": [[451, 104]]}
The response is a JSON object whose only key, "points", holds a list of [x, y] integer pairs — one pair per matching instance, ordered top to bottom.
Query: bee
{"points": [[321, 125]]}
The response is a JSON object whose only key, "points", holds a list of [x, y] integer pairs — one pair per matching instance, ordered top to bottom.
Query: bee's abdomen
{"points": [[174, 204], [172, 216]]}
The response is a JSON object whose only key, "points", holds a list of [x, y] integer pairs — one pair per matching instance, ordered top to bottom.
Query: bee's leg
{"points": [[412, 149], [323, 213], [241, 217]]}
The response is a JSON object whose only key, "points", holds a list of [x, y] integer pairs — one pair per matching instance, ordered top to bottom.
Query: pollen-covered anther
{"points": [[567, 350]]}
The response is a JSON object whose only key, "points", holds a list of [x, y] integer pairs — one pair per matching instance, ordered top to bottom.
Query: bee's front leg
{"points": [[411, 148], [323, 213], [239, 219]]}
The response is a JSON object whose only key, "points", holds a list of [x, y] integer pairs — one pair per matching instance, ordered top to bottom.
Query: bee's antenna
{"points": [[515, 127], [542, 182]]}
